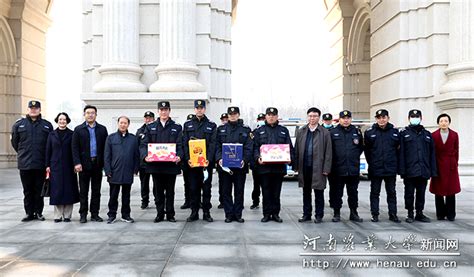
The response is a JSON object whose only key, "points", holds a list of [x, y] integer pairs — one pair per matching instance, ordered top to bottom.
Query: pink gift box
{"points": [[162, 152], [275, 153]]}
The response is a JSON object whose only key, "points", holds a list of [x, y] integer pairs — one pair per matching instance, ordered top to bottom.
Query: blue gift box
{"points": [[232, 155]]}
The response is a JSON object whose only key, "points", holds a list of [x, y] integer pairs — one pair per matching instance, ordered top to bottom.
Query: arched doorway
{"points": [[9, 96], [357, 98]]}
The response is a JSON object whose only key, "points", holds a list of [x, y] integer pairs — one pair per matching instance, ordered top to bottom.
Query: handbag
{"points": [[46, 186]]}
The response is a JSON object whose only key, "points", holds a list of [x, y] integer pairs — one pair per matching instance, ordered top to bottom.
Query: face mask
{"points": [[415, 120], [260, 123], [327, 126]]}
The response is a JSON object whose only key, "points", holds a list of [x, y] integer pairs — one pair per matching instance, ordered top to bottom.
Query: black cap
{"points": [[199, 103], [34, 104], [164, 104], [232, 110], [271, 110], [381, 112], [345, 113], [414, 113], [150, 114], [224, 115], [190, 116], [260, 116], [327, 116]]}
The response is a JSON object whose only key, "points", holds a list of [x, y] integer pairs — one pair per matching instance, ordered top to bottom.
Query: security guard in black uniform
{"points": [[148, 118], [224, 119], [327, 121], [200, 127], [163, 130], [234, 131], [29, 136], [381, 144], [347, 145], [417, 164], [185, 168], [271, 174], [257, 179]]}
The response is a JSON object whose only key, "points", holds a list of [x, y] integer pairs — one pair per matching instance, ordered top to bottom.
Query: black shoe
{"points": [[144, 206], [185, 206], [220, 206], [254, 207], [193, 216], [337, 216], [354, 216], [410, 216], [40, 217], [207, 217], [421, 217], [441, 217], [28, 218], [96, 218], [158, 218], [265, 218], [277, 218], [304, 218], [375, 218], [394, 218], [451, 218], [83, 219], [127, 219], [171, 219], [57, 220], [67, 220], [110, 220], [228, 220], [240, 220], [318, 220]]}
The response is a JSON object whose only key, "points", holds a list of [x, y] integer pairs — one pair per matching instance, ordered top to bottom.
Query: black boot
{"points": [[186, 205], [337, 215], [193, 216], [355, 216], [207, 217], [421, 217], [375, 218], [394, 218], [409, 218]]}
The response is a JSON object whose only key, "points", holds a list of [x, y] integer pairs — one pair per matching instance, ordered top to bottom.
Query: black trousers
{"points": [[94, 177], [32, 181], [221, 183], [257, 183], [196, 184], [412, 185], [144, 186], [375, 186], [163, 190], [187, 190], [271, 190], [336, 191], [307, 197], [113, 200], [445, 206], [233, 207]]}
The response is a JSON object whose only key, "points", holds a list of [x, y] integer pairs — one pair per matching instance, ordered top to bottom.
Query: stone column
{"points": [[120, 70], [177, 71], [457, 94]]}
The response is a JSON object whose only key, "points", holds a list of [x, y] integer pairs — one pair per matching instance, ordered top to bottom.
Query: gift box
{"points": [[162, 152], [197, 152], [275, 153], [232, 155]]}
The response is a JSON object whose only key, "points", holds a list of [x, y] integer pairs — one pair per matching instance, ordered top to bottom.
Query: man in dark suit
{"points": [[88, 143]]}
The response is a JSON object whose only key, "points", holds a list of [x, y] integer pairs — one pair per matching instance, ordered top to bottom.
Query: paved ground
{"points": [[220, 249]]}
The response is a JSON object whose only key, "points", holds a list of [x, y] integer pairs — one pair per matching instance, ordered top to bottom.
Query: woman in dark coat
{"points": [[447, 184], [64, 191]]}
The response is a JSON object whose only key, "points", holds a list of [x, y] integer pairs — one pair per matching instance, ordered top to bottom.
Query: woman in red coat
{"points": [[446, 185]]}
